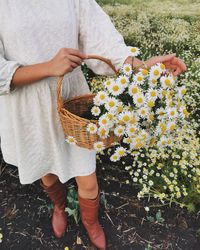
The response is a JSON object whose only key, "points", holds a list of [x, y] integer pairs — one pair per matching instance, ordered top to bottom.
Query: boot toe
{"points": [[59, 224]]}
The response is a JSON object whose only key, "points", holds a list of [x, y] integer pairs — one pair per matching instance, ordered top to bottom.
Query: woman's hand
{"points": [[64, 62], [171, 62]]}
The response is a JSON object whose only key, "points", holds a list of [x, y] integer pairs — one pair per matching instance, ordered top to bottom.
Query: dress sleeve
{"points": [[98, 35], [7, 70]]}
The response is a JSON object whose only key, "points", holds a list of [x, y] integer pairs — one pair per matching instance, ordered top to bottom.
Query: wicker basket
{"points": [[71, 111]]}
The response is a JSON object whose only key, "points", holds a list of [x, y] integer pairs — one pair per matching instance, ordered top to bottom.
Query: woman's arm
{"points": [[63, 62]]}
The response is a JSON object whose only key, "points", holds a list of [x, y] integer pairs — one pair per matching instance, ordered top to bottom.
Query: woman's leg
{"points": [[49, 179], [87, 186], [89, 198]]}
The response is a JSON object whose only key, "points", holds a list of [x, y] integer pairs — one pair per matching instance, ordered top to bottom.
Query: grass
{"points": [[184, 7]]}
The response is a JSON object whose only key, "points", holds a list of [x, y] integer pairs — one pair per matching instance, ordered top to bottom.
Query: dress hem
{"points": [[62, 180]]}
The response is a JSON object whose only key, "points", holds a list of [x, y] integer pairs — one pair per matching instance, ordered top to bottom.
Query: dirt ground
{"points": [[25, 213]]}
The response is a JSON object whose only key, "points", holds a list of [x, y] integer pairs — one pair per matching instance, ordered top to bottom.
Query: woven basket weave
{"points": [[71, 111]]}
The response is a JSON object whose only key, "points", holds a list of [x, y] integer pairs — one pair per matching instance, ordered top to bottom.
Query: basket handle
{"points": [[60, 78]]}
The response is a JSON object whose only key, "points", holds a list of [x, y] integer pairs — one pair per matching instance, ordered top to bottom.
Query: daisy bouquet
{"points": [[142, 108]]}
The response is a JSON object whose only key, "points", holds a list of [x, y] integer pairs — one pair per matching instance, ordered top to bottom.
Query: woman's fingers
{"points": [[75, 59], [179, 62]]}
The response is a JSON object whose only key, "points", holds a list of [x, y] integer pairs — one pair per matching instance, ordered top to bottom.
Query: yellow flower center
{"points": [[133, 50], [162, 66], [127, 69], [144, 72], [156, 72], [139, 78], [123, 81], [167, 82], [115, 88], [134, 90], [183, 91], [164, 92], [153, 93], [102, 97], [140, 100], [111, 104], [150, 104], [120, 109], [172, 113], [110, 116], [151, 117], [126, 118], [104, 121], [172, 127], [132, 130], [152, 141], [121, 152]]}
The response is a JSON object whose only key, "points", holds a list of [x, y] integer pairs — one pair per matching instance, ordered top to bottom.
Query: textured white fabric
{"points": [[32, 32]]}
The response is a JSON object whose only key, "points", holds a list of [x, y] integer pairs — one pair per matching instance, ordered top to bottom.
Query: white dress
{"points": [[33, 32]]}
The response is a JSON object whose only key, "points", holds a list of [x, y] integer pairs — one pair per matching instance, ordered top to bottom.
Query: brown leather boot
{"points": [[57, 194], [89, 216]]}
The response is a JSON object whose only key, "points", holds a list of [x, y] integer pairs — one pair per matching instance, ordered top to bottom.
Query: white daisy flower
{"points": [[134, 51], [162, 67], [127, 69], [144, 72], [155, 72], [138, 78], [123, 81], [167, 81], [153, 82], [116, 88], [133, 89], [181, 91], [163, 93], [152, 94], [101, 97], [139, 99], [150, 102], [111, 104], [95, 111], [183, 111], [143, 112], [160, 112], [172, 113], [125, 116], [150, 117], [105, 122], [171, 126], [92, 128], [161, 128], [119, 130], [131, 130], [103, 132], [71, 140], [127, 140], [162, 142], [99, 146], [120, 151], [114, 158]]}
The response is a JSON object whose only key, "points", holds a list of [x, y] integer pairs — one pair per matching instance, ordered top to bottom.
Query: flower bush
{"points": [[168, 174]]}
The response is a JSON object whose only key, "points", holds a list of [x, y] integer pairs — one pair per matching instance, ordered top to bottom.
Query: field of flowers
{"points": [[171, 174]]}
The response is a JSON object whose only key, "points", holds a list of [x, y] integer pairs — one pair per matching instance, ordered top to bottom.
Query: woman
{"points": [[39, 41]]}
